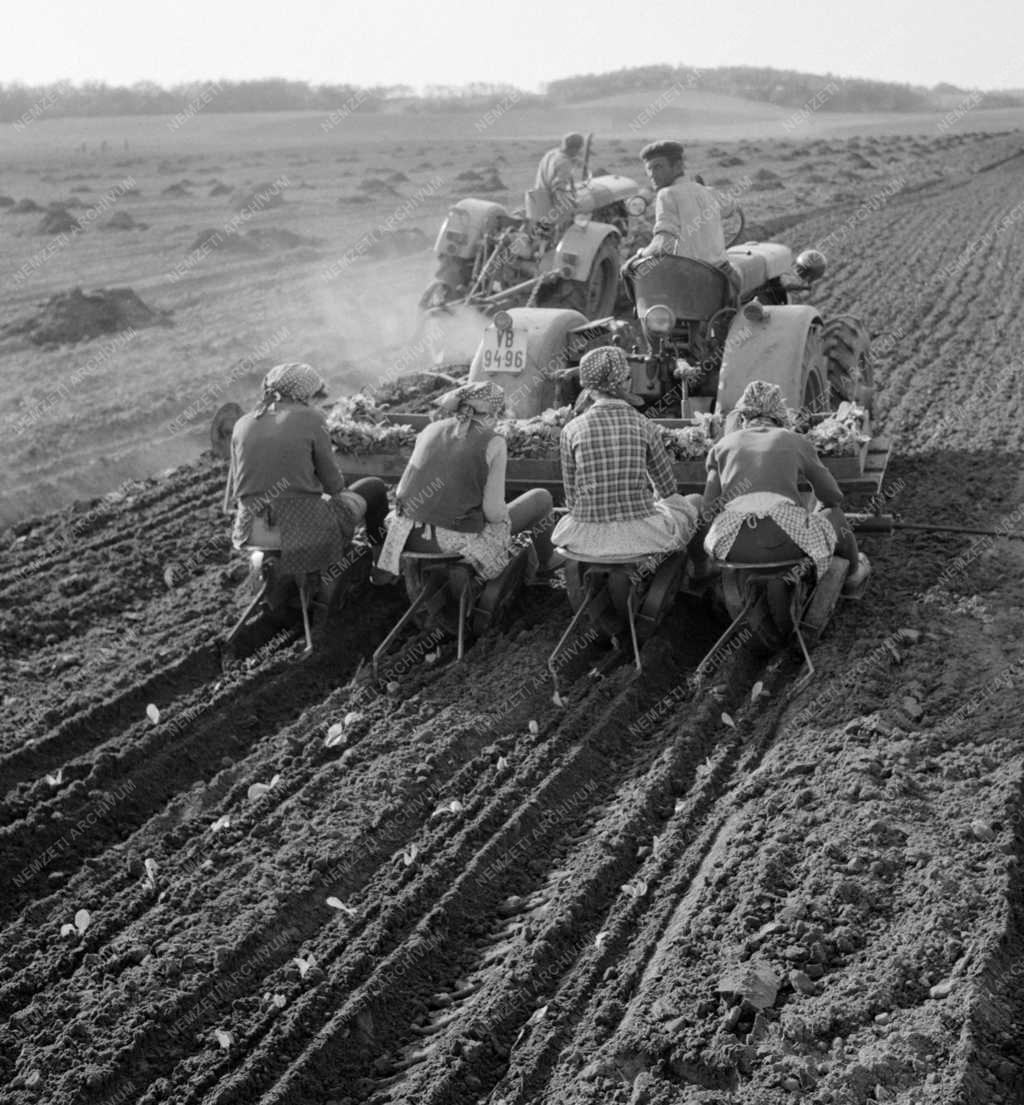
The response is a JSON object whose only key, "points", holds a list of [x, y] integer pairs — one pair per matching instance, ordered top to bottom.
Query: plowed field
{"points": [[531, 903]]}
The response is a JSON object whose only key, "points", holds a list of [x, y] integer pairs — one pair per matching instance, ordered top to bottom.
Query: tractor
{"points": [[541, 255]]}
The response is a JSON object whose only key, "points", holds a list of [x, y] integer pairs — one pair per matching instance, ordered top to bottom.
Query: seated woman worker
{"points": [[619, 487], [289, 491], [752, 492], [451, 497]]}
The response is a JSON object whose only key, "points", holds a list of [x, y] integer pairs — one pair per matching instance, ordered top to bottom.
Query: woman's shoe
{"points": [[554, 563], [854, 582]]}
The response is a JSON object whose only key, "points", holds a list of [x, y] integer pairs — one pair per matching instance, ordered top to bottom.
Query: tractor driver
{"points": [[555, 175], [687, 215], [752, 492]]}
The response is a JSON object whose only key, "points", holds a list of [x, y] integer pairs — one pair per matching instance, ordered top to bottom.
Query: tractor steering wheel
{"points": [[739, 233]]}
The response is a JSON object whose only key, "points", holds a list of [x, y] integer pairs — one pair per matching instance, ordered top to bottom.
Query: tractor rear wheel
{"points": [[596, 296], [815, 394]]}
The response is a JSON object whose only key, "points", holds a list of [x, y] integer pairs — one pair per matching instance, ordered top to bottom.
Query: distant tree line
{"points": [[783, 87]]}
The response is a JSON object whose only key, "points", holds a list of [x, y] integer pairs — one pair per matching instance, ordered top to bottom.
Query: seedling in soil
{"points": [[756, 691], [153, 714], [727, 720], [534, 728], [335, 735], [502, 763], [56, 778], [257, 790], [222, 822], [409, 854], [151, 870], [635, 889], [337, 903], [82, 920], [600, 938], [309, 961], [280, 1001], [223, 1038], [33, 1078]]}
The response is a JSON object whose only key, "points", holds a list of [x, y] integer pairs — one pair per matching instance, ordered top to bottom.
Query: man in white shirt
{"points": [[687, 215]]}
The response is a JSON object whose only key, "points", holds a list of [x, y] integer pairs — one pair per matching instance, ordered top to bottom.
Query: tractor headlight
{"points": [[636, 205], [659, 319], [502, 320]]}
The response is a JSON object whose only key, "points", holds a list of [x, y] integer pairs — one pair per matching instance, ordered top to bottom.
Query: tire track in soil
{"points": [[220, 723], [118, 884], [469, 906]]}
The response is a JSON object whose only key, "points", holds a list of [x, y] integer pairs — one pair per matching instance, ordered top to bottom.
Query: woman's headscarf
{"points": [[606, 370], [291, 380], [480, 399], [761, 399]]}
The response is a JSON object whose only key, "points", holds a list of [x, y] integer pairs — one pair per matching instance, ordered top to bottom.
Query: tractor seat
{"points": [[433, 557], [604, 561], [766, 569]]}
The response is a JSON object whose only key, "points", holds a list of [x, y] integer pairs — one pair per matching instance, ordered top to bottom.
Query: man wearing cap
{"points": [[555, 173], [687, 215], [287, 486], [619, 487], [752, 490], [451, 497]]}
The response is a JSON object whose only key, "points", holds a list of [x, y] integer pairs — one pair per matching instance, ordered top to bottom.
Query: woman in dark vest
{"points": [[451, 497]]}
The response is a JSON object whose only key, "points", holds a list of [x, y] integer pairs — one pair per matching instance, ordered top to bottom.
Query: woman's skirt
{"points": [[670, 527], [312, 531], [488, 551]]}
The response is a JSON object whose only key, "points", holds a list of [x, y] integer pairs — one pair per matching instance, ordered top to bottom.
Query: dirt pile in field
{"points": [[482, 180], [374, 186], [220, 189], [259, 198], [25, 206], [58, 220], [122, 220], [214, 239], [78, 316]]}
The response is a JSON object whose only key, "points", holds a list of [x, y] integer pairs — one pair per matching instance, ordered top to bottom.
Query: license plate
{"points": [[503, 351]]}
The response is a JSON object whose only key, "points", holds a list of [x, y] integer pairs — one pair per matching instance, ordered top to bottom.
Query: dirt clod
{"points": [[76, 316]]}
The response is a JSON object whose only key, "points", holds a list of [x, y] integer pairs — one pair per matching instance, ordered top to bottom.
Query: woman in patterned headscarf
{"points": [[619, 487], [752, 488], [289, 491], [451, 497]]}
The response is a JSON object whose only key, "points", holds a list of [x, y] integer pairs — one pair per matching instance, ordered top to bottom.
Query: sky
{"points": [[520, 42]]}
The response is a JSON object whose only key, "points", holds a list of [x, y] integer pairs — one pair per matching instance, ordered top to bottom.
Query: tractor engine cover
{"points": [[603, 191], [465, 225]]}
